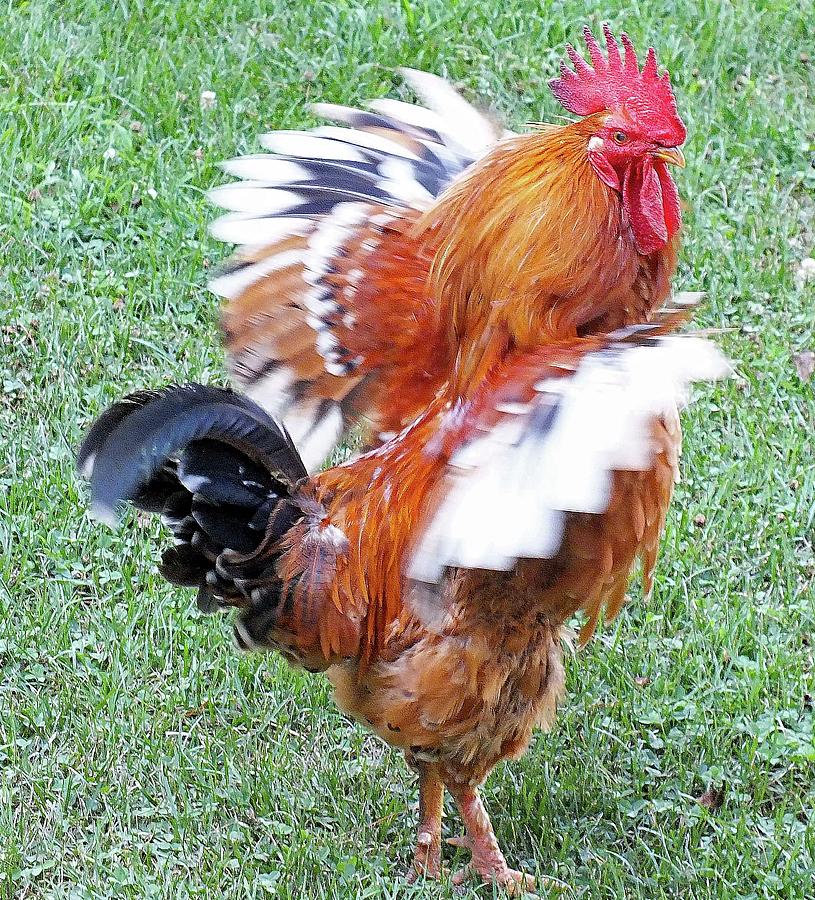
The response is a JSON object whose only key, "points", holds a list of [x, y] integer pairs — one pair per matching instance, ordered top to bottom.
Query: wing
{"points": [[328, 317], [569, 430]]}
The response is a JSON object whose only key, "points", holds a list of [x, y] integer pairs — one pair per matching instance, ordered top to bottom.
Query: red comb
{"points": [[609, 83]]}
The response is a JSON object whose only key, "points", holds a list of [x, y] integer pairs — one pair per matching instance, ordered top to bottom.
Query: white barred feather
{"points": [[416, 116], [467, 127], [364, 139], [309, 146], [367, 165], [265, 168], [399, 183], [254, 197], [250, 231], [326, 241], [230, 284], [315, 429], [510, 488]]}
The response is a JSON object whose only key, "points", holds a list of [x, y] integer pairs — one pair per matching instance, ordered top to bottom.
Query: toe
{"points": [[461, 841], [421, 870], [461, 876], [522, 878], [514, 883], [517, 884]]}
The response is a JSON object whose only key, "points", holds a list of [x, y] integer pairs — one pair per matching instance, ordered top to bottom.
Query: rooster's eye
{"points": [[620, 137]]}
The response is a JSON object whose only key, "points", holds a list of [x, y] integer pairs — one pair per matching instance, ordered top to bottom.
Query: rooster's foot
{"points": [[487, 861], [513, 882]]}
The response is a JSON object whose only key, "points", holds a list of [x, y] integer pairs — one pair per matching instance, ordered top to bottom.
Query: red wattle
{"points": [[670, 198], [642, 199]]}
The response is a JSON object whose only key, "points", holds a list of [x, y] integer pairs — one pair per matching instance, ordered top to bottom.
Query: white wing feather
{"points": [[510, 488]]}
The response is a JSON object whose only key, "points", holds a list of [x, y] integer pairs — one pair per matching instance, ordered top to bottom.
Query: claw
{"points": [[460, 841], [488, 862], [424, 865], [418, 871], [513, 882]]}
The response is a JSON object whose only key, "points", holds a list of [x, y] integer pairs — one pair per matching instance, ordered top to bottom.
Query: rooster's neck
{"points": [[534, 244]]}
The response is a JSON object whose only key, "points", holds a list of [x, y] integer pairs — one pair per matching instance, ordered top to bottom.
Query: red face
{"points": [[635, 165]]}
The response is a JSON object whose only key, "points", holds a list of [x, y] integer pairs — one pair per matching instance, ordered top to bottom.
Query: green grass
{"points": [[139, 755]]}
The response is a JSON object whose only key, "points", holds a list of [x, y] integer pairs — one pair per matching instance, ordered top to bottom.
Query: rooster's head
{"points": [[636, 131]]}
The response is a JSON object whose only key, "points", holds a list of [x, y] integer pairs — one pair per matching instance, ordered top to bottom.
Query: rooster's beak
{"points": [[671, 155]]}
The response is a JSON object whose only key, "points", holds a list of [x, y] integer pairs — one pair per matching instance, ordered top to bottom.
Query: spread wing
{"points": [[328, 317], [549, 435]]}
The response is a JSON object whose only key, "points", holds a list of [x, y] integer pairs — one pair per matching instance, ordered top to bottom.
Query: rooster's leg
{"points": [[427, 858], [487, 860]]}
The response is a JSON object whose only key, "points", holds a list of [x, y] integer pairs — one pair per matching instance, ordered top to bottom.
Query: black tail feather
{"points": [[106, 424], [144, 438], [219, 470], [219, 475]]}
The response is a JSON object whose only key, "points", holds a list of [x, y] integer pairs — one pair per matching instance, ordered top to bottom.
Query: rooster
{"points": [[379, 258], [515, 336]]}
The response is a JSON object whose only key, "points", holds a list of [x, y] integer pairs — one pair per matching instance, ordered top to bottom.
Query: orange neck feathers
{"points": [[533, 244]]}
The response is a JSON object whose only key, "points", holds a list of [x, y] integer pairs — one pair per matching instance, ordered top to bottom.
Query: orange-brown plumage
{"points": [[533, 241], [531, 247], [496, 322]]}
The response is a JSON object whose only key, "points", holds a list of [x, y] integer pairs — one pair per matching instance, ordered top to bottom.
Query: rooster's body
{"points": [[495, 321]]}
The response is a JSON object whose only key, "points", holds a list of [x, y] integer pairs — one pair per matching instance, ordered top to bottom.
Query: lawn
{"points": [[139, 755]]}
